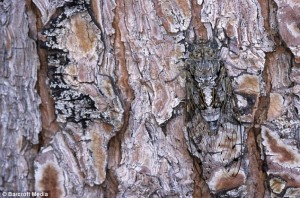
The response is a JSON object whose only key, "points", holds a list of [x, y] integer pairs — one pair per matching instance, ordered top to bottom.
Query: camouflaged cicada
{"points": [[214, 133]]}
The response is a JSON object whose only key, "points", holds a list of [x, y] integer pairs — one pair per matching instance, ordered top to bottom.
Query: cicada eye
{"points": [[214, 44], [191, 48], [216, 104], [202, 106]]}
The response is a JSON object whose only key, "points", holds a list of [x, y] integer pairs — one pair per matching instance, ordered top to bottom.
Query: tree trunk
{"points": [[94, 98]]}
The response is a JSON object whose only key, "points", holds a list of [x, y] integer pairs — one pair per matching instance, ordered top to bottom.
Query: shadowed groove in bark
{"points": [[49, 124], [114, 147], [256, 151], [256, 183]]}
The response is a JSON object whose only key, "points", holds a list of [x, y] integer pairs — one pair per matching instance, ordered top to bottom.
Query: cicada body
{"points": [[206, 91], [214, 133]]}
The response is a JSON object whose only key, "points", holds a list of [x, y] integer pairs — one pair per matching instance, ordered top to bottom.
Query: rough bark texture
{"points": [[93, 96], [20, 118]]}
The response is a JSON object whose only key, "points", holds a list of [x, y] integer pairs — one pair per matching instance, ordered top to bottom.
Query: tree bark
{"points": [[93, 97]]}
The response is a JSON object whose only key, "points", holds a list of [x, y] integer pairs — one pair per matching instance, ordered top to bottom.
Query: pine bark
{"points": [[93, 96]]}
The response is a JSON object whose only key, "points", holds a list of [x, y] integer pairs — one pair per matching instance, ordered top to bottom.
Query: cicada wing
{"points": [[190, 102], [231, 138], [201, 145], [230, 147]]}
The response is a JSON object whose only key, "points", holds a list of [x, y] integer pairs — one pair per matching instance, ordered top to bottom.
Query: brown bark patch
{"points": [[184, 5], [265, 9], [96, 10], [160, 13], [173, 15], [230, 29], [200, 30], [85, 37], [123, 80], [248, 84], [161, 97], [276, 106], [49, 124], [107, 127], [284, 154], [99, 155], [257, 176], [291, 179], [50, 182], [226, 183]]}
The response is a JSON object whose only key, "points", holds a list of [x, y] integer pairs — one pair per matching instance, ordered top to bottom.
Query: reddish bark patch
{"points": [[182, 4], [265, 9], [160, 14], [196, 20], [229, 29], [84, 37], [123, 80], [248, 84], [161, 97], [276, 106], [49, 124], [107, 127], [285, 154], [100, 158], [256, 177], [291, 179], [50, 182], [227, 183], [201, 188]]}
